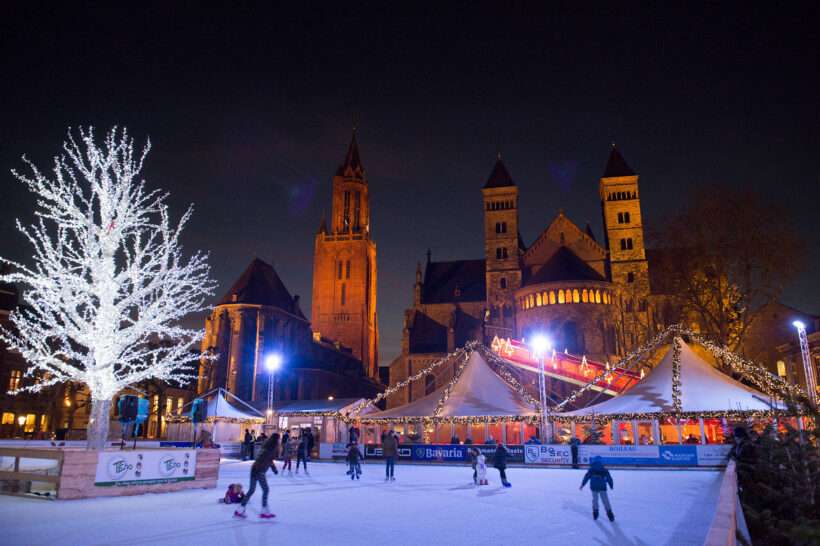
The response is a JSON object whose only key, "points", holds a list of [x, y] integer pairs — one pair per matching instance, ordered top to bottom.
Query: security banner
{"points": [[547, 454], [123, 468]]}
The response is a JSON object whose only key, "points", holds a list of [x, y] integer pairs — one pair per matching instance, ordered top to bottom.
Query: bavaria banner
{"points": [[444, 453], [147, 467]]}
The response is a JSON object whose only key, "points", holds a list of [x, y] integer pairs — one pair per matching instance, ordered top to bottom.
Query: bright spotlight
{"points": [[799, 324], [541, 344], [273, 362]]}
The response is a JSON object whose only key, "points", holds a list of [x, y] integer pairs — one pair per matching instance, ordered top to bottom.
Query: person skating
{"points": [[310, 444], [247, 446], [390, 446], [573, 448], [289, 452], [473, 452], [301, 453], [354, 457], [500, 462], [258, 469], [598, 477]]}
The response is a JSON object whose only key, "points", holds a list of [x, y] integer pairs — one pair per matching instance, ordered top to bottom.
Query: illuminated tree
{"points": [[109, 284]]}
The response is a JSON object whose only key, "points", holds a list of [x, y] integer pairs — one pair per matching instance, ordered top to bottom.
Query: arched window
{"points": [[626, 218], [347, 269], [339, 274], [630, 277], [503, 282], [343, 294], [568, 295], [585, 296], [597, 296], [545, 297], [552, 297], [561, 297], [576, 297], [606, 298], [531, 300], [538, 302], [642, 305], [628, 306], [781, 369], [429, 384]]}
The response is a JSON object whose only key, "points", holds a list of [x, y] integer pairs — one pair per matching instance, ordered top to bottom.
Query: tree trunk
{"points": [[98, 423]]}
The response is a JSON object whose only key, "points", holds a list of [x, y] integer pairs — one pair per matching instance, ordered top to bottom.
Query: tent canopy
{"points": [[703, 389], [479, 392], [218, 407]]}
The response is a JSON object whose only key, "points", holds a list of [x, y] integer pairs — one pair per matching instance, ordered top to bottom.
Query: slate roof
{"points": [[352, 165], [616, 165], [499, 177], [564, 265], [448, 282], [259, 284]]}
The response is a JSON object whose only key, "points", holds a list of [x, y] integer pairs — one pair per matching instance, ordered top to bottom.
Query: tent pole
{"points": [[452, 430], [680, 431], [702, 431], [634, 432], [656, 432], [616, 435]]}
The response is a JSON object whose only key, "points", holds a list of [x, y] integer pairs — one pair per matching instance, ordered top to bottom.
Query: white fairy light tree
{"points": [[109, 284]]}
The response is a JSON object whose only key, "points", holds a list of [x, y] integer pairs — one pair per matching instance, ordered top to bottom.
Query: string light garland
{"points": [[676, 383], [449, 388]]}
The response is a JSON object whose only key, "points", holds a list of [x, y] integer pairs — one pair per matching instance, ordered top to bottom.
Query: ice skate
{"points": [[392, 478], [507, 484], [240, 513], [267, 514], [595, 514], [610, 515]]}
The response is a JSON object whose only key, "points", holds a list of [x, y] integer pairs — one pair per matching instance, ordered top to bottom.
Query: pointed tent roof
{"points": [[352, 165], [616, 165], [500, 176], [565, 265], [259, 284], [703, 388], [478, 392], [218, 406]]}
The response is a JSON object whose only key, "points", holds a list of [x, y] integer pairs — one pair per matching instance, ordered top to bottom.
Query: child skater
{"points": [[473, 454], [354, 457], [481, 468], [258, 470], [598, 478], [234, 494]]}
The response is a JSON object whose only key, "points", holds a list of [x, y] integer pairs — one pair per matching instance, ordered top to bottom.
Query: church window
{"points": [[357, 211], [346, 216], [623, 218], [501, 227], [626, 244], [347, 269], [630, 277], [503, 282], [343, 294], [568, 295], [585, 296], [597, 296], [552, 297], [561, 297], [576, 297], [545, 298], [606, 298], [538, 302], [642, 305], [628, 306], [781, 368], [15, 378], [429, 384]]}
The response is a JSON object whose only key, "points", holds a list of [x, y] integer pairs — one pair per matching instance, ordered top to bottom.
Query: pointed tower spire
{"points": [[616, 165], [352, 166], [500, 176]]}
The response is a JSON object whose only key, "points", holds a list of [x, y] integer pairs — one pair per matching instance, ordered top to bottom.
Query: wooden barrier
{"points": [[20, 479], [723, 529]]}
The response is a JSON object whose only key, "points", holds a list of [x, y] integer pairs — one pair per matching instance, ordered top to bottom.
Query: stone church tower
{"points": [[501, 251], [344, 267]]}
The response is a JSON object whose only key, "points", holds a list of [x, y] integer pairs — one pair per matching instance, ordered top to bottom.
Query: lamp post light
{"points": [[540, 346], [272, 362], [811, 381]]}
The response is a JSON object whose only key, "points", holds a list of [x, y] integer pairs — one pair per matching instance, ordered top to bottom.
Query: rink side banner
{"points": [[445, 453], [665, 455], [147, 467]]}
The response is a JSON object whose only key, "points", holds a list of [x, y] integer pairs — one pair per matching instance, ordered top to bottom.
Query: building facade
{"points": [[344, 267]]}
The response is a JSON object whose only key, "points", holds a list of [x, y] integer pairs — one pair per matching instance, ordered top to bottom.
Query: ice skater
{"points": [[390, 445], [302, 451], [288, 453], [473, 453], [354, 457], [500, 462], [258, 469], [481, 469], [598, 478]]}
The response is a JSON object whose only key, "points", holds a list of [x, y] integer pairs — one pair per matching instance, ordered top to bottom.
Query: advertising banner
{"points": [[332, 451], [444, 453], [547, 454], [619, 454], [713, 454], [680, 455], [148, 467]]}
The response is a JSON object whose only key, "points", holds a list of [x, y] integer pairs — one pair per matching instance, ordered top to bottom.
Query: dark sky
{"points": [[250, 109]]}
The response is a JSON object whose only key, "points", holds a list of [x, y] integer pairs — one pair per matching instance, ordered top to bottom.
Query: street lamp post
{"points": [[541, 345], [273, 362], [808, 371]]}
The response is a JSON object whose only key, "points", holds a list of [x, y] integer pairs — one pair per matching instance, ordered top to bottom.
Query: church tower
{"points": [[623, 229], [501, 251], [344, 267]]}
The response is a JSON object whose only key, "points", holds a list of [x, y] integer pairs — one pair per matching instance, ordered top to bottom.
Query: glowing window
{"points": [[568, 295], [561, 296], [585, 296], [597, 296], [552, 297], [576, 297], [606, 298], [538, 300], [781, 368], [14, 379], [8, 418], [31, 420]]}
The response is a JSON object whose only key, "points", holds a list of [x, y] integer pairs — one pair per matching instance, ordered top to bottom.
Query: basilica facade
{"points": [[588, 297]]}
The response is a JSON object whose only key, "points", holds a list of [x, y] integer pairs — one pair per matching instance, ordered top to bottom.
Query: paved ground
{"points": [[427, 505]]}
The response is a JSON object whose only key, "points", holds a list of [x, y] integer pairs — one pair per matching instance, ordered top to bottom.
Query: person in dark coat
{"points": [[310, 444], [247, 446], [390, 446], [573, 448], [743, 449], [302, 453], [473, 453], [354, 458], [500, 462], [258, 469], [598, 478]]}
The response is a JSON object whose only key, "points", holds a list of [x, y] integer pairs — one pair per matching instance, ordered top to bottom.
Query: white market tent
{"points": [[703, 389], [477, 392], [225, 421]]}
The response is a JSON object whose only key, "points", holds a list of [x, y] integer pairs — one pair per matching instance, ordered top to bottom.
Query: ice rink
{"points": [[426, 505]]}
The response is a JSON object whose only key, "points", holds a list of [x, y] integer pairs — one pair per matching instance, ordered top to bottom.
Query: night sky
{"points": [[250, 111]]}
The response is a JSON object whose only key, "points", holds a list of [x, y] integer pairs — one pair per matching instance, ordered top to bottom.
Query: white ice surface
{"points": [[426, 505]]}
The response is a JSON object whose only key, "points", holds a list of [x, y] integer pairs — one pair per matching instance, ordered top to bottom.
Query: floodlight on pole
{"points": [[540, 345], [272, 362], [808, 370]]}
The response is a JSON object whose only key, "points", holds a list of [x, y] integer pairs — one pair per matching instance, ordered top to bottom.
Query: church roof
{"points": [[352, 165], [616, 165], [500, 176], [564, 265], [461, 280], [259, 284]]}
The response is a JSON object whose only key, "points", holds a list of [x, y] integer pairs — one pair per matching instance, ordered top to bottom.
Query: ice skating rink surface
{"points": [[426, 505]]}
